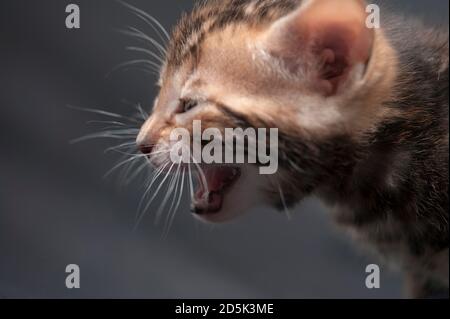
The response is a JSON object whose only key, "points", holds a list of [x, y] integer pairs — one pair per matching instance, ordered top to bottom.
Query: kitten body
{"points": [[363, 119]]}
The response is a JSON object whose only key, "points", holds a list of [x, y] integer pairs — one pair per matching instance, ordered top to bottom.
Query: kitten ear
{"points": [[323, 40]]}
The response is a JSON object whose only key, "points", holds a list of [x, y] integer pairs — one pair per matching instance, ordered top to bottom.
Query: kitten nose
{"points": [[145, 148]]}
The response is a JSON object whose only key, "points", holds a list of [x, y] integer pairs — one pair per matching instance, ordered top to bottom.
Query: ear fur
{"points": [[324, 39]]}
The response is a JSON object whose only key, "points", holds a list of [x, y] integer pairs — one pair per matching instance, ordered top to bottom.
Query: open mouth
{"points": [[212, 187]]}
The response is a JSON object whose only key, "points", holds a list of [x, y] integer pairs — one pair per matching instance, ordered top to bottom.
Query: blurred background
{"points": [[57, 209]]}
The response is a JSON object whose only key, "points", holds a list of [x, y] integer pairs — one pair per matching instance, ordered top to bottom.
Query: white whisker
{"points": [[150, 21], [134, 32], [148, 52], [152, 65], [103, 112], [107, 122], [100, 135], [123, 145], [121, 164], [136, 172], [155, 177], [191, 183], [172, 184], [154, 195], [174, 197], [283, 201], [177, 205]]}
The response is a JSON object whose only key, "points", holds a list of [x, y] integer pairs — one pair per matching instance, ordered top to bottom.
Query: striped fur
{"points": [[381, 163]]}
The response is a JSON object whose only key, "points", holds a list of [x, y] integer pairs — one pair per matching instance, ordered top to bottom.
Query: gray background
{"points": [[55, 208]]}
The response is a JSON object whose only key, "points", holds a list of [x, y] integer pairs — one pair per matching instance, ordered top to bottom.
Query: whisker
{"points": [[149, 19], [134, 32], [148, 52], [135, 62], [144, 69], [138, 108], [103, 112], [144, 114], [107, 122], [115, 128], [122, 131], [114, 134], [100, 135], [113, 148], [125, 153], [133, 158], [136, 172], [123, 174], [154, 178], [191, 183], [177, 185], [169, 192], [154, 195], [288, 213], [172, 215]]}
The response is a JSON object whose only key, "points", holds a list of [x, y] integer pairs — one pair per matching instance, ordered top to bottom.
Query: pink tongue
{"points": [[214, 178], [211, 199]]}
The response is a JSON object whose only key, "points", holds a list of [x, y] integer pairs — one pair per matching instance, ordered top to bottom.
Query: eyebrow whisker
{"points": [[150, 20]]}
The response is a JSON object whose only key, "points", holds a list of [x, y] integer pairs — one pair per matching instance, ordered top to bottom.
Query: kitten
{"points": [[362, 116]]}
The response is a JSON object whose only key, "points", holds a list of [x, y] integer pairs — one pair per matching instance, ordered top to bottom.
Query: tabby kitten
{"points": [[362, 116]]}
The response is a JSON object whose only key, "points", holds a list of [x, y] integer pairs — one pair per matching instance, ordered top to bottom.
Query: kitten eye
{"points": [[187, 104]]}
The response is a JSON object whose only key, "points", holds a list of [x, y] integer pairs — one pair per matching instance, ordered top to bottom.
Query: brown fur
{"points": [[376, 150]]}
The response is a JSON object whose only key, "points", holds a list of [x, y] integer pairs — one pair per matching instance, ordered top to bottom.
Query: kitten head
{"points": [[312, 69]]}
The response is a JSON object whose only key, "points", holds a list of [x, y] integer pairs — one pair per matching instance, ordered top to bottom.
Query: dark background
{"points": [[55, 208]]}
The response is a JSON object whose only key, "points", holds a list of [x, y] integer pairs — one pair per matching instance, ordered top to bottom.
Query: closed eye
{"points": [[186, 105]]}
